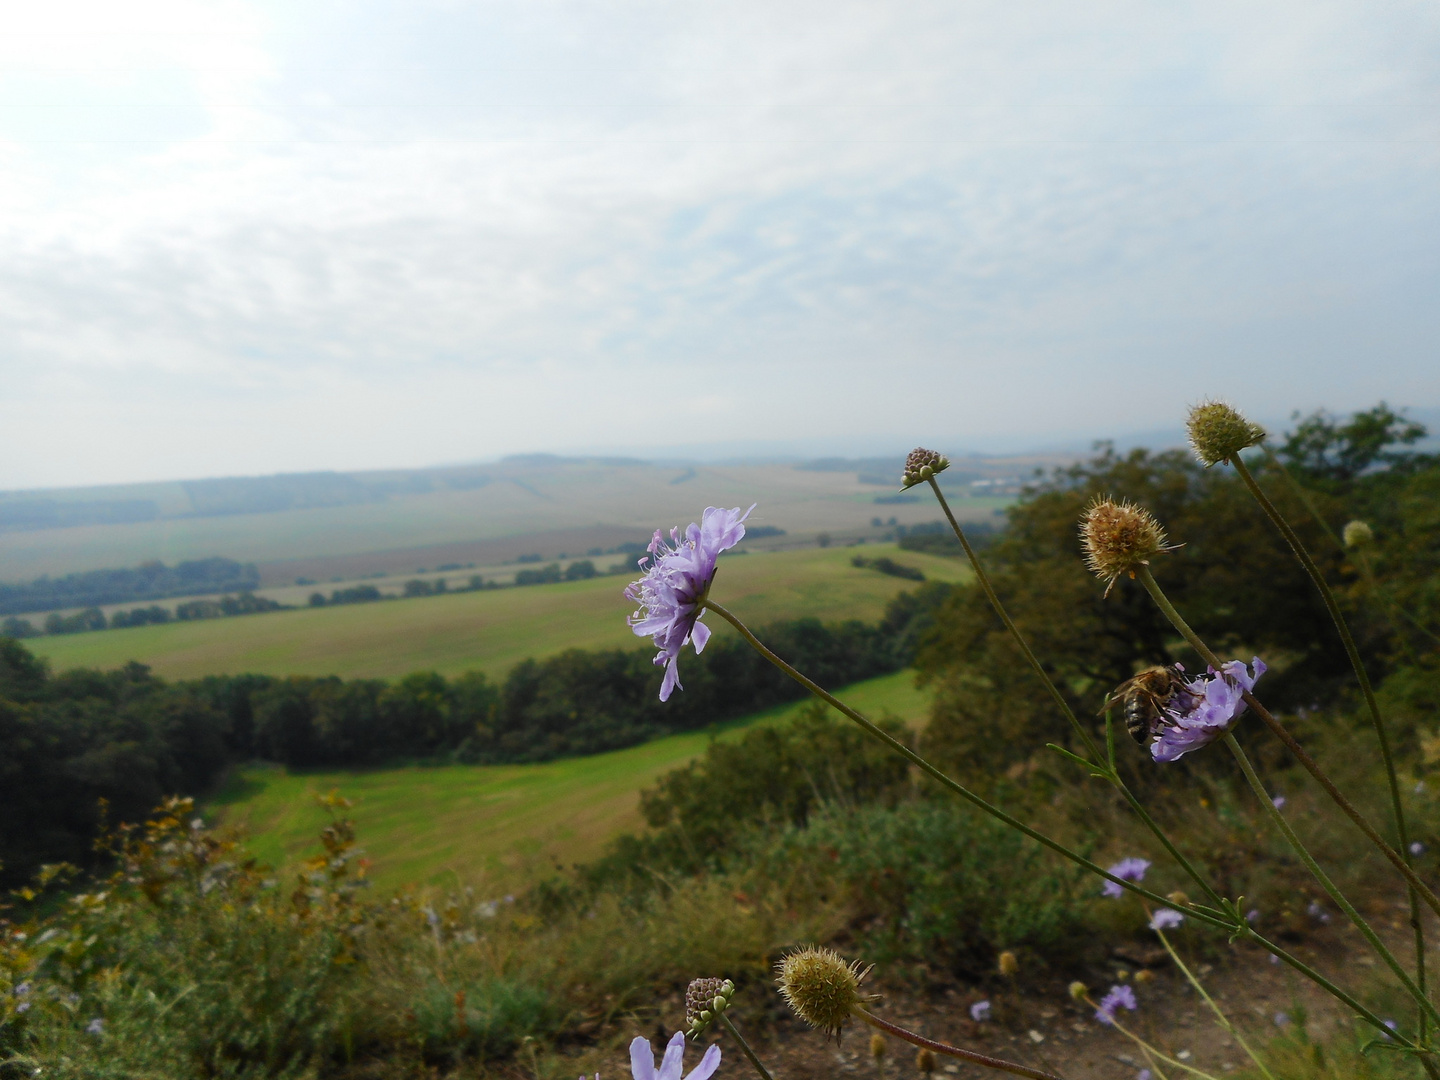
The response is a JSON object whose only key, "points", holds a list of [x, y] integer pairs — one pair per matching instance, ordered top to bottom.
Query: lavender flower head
{"points": [[671, 595], [1210, 706], [1127, 870], [1166, 919], [1118, 996], [980, 1011], [642, 1060]]}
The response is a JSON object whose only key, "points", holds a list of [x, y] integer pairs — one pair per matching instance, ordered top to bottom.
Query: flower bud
{"points": [[1218, 433], [921, 465], [1357, 534], [1119, 538], [1178, 898], [1008, 965], [1144, 975], [820, 987], [1079, 991], [705, 999], [877, 1045], [925, 1061]]}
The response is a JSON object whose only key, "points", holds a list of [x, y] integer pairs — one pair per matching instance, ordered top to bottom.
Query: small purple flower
{"points": [[671, 595], [1209, 707], [1278, 802], [1417, 848], [1131, 869], [1316, 912], [1251, 916], [1166, 919], [22, 989], [1118, 996], [23, 1007], [980, 1011], [1282, 1019], [1393, 1026], [95, 1027], [642, 1060], [1143, 1074]]}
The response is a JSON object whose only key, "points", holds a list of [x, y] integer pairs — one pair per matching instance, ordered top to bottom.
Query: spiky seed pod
{"points": [[1218, 432], [921, 465], [1357, 534], [1119, 538], [1008, 964], [821, 988], [1078, 990], [705, 999], [877, 1045], [924, 1061]]}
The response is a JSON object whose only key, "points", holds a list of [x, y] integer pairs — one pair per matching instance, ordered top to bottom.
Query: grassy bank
{"points": [[487, 631], [493, 827]]}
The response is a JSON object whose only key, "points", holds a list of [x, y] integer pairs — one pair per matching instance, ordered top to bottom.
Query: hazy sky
{"points": [[255, 237]]}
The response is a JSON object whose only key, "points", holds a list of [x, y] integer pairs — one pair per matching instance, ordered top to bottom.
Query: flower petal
{"points": [[699, 635], [674, 1058], [642, 1059], [708, 1064]]}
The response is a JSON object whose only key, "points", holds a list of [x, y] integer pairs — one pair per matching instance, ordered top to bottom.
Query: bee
{"points": [[1145, 696]]}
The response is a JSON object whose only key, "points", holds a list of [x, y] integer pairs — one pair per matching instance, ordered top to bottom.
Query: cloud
{"points": [[347, 235]]}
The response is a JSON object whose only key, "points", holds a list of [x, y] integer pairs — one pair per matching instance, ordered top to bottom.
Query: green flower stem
{"points": [[984, 580], [1363, 678], [1110, 772], [935, 774], [1401, 864], [1324, 879], [1235, 927], [1219, 1015], [745, 1047], [1154, 1054], [971, 1056]]}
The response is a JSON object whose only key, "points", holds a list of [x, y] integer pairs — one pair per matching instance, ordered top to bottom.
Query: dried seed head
{"points": [[1218, 432], [921, 465], [1358, 534], [1119, 538], [1178, 898], [1008, 964], [1144, 976], [821, 988], [1079, 991], [705, 999], [877, 1045], [925, 1061]]}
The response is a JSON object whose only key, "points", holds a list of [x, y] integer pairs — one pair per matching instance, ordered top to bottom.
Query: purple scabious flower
{"points": [[671, 595], [1212, 704], [1131, 869], [1166, 919], [1118, 996], [980, 1011], [642, 1060]]}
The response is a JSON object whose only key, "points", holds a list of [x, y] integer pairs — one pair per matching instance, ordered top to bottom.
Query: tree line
{"points": [[148, 581], [129, 738]]}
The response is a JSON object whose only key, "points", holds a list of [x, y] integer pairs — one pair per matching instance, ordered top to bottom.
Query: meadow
{"points": [[489, 630], [493, 828]]}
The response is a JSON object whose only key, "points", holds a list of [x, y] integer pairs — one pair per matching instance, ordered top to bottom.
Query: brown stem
{"points": [[952, 1051]]}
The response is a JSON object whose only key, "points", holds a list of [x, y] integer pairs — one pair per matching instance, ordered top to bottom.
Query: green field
{"points": [[488, 631], [493, 827]]}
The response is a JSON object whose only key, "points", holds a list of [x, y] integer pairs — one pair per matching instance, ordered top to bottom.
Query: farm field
{"points": [[522, 506], [489, 630], [496, 828]]}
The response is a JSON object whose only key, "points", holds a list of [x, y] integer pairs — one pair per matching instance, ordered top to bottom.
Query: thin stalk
{"points": [[1363, 678], [1282, 733], [935, 774], [1112, 774], [1278, 819], [1236, 928], [1219, 1015], [745, 1047], [1154, 1054], [971, 1056]]}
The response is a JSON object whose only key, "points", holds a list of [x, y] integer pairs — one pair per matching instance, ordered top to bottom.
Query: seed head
{"points": [[1218, 432], [921, 465], [1357, 534], [1119, 538], [1178, 898], [1008, 965], [1144, 975], [821, 988], [1078, 990], [705, 999], [877, 1045], [925, 1061]]}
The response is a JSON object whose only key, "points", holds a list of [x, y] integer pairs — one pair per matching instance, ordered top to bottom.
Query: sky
{"points": [[256, 237]]}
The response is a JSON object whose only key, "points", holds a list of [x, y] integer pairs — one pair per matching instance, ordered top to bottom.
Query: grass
{"points": [[486, 631], [494, 827]]}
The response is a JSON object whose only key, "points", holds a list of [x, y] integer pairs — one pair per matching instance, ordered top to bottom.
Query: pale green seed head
{"points": [[1218, 433], [1357, 534], [820, 987]]}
